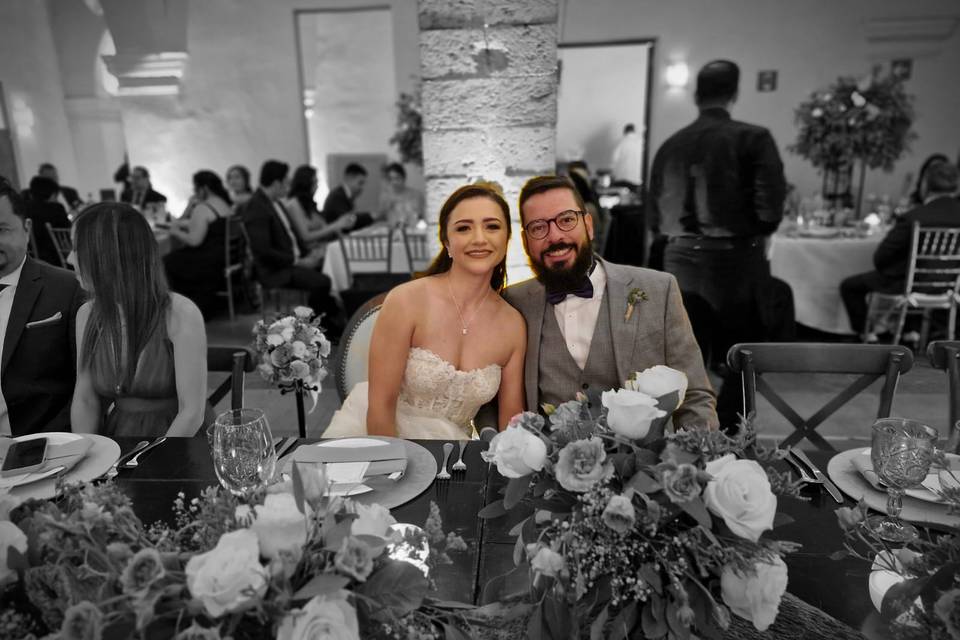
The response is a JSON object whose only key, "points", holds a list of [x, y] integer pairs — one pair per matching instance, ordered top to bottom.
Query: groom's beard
{"points": [[559, 278]]}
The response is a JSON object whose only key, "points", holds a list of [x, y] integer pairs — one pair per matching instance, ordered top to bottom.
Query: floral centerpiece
{"points": [[867, 120], [409, 134], [292, 352], [631, 534], [295, 564], [926, 603]]}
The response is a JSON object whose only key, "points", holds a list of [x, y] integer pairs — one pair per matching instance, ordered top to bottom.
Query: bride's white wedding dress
{"points": [[437, 400]]}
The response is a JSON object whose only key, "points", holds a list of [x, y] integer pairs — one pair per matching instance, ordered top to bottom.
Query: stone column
{"points": [[489, 95]]}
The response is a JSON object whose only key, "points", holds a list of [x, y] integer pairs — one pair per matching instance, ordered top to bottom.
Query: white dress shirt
{"points": [[282, 214], [6, 304], [577, 317]]}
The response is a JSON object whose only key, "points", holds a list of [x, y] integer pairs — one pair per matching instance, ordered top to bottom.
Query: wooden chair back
{"points": [[62, 242], [417, 247], [376, 249], [235, 257], [945, 355], [872, 361]]}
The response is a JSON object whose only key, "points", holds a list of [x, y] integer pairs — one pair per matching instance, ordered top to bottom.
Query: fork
{"points": [[133, 462], [459, 465], [115, 468], [443, 474]]}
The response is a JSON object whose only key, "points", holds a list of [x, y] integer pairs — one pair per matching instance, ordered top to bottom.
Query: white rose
{"points": [[304, 313], [274, 339], [299, 348], [299, 369], [658, 381], [630, 413], [517, 452], [313, 477], [740, 494], [372, 520], [278, 525], [10, 536], [547, 562], [223, 577], [755, 597], [322, 618]]}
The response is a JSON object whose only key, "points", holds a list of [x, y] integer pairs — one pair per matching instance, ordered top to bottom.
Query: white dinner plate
{"points": [[103, 452], [930, 487]]}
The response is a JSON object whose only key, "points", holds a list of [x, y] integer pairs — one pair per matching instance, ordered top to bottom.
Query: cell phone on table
{"points": [[24, 456]]}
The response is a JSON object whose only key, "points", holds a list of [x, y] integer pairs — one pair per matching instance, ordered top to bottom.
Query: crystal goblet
{"points": [[901, 451], [243, 454]]}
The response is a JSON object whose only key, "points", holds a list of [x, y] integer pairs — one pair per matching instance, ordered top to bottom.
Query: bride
{"points": [[446, 343]]}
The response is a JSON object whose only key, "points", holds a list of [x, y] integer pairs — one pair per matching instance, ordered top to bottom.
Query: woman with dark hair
{"points": [[238, 179], [919, 193], [400, 206], [305, 218], [196, 269], [446, 343], [142, 350]]}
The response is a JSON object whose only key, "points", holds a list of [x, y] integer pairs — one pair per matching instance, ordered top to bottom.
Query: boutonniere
{"points": [[636, 295]]}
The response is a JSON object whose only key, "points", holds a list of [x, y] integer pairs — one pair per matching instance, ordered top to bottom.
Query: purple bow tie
{"points": [[585, 290]]}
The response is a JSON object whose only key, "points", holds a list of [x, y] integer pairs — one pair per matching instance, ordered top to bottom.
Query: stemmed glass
{"points": [[901, 451], [243, 454]]}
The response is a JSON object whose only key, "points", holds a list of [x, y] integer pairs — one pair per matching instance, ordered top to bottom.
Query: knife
{"points": [[284, 446], [133, 462], [819, 475]]}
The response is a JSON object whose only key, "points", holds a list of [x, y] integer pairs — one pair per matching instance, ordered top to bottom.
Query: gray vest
{"points": [[560, 375]]}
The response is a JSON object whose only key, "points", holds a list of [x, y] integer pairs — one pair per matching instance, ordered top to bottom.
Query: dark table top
{"points": [[838, 587]]}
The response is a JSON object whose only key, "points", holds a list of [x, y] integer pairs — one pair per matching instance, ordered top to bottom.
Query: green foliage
{"points": [[409, 135]]}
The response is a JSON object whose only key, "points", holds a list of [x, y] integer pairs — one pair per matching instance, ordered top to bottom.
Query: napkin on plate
{"points": [[61, 454], [386, 458]]}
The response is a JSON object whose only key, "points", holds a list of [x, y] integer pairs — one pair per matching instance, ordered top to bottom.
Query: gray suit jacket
{"points": [[658, 332]]}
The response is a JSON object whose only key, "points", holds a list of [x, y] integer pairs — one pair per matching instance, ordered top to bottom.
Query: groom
{"points": [[592, 323]]}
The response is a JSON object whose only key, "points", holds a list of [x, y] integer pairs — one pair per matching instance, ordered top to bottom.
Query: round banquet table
{"points": [[814, 268]]}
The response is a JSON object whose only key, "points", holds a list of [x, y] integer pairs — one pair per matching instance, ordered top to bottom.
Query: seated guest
{"points": [[238, 180], [140, 192], [917, 195], [67, 196], [341, 200], [400, 206], [43, 208], [940, 209], [308, 224], [281, 260], [196, 269], [38, 309], [142, 370]]}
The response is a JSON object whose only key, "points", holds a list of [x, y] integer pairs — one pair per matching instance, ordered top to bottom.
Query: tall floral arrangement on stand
{"points": [[866, 121], [409, 134], [292, 352], [631, 534]]}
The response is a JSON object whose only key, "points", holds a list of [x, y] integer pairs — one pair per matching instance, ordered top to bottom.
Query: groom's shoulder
{"points": [[640, 277], [515, 294]]}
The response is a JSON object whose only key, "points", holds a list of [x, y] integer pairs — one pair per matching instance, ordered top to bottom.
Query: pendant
{"points": [[464, 331]]}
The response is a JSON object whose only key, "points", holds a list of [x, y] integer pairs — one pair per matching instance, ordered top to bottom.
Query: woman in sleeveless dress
{"points": [[305, 219], [196, 269], [446, 343], [141, 366]]}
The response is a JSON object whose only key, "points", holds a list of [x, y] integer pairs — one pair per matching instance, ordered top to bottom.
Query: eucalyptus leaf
{"points": [[641, 482], [516, 490], [298, 493], [493, 510], [698, 510], [780, 519], [515, 529], [651, 576], [321, 585], [397, 586], [651, 620], [625, 621], [596, 627]]}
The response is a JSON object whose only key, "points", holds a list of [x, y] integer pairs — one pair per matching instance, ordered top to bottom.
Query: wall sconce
{"points": [[677, 75]]}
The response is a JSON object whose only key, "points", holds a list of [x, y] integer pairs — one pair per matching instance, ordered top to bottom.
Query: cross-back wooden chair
{"points": [[61, 240], [417, 246], [234, 258], [369, 260], [933, 282], [945, 355], [236, 360], [872, 361]]}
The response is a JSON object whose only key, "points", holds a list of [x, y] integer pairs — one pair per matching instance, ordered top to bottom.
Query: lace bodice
{"points": [[433, 385]]}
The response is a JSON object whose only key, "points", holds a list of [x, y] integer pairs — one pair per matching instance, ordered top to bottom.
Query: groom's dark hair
{"points": [[541, 184]]}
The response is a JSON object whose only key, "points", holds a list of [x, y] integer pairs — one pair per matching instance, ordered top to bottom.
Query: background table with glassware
{"points": [[814, 262], [335, 263], [184, 465]]}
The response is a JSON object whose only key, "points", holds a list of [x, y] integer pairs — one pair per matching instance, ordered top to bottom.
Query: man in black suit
{"points": [[141, 193], [67, 196], [341, 200], [43, 208], [939, 209], [281, 260], [38, 310]]}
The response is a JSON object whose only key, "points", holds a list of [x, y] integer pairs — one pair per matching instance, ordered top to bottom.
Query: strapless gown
{"points": [[437, 401]]}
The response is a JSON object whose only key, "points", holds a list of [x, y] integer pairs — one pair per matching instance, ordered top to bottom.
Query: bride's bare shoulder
{"points": [[410, 295]]}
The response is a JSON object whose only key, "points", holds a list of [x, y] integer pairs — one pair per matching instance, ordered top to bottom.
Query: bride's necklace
{"points": [[464, 324]]}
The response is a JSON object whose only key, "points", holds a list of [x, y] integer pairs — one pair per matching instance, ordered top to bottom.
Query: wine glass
{"points": [[901, 451], [243, 454]]}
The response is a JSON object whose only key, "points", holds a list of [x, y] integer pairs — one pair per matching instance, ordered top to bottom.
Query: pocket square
{"points": [[40, 323]]}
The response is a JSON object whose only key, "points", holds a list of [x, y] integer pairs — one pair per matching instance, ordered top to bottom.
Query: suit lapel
{"points": [[28, 290], [536, 307], [624, 332]]}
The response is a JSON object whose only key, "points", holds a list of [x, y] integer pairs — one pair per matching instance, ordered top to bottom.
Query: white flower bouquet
{"points": [[632, 533]]}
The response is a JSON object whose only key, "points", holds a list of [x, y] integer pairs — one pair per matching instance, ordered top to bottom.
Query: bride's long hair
{"points": [[443, 262]]}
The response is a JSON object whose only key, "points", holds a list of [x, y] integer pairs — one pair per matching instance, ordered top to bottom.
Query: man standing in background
{"points": [[627, 159], [717, 191]]}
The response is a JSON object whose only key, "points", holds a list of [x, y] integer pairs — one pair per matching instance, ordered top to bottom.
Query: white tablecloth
{"points": [[335, 266], [814, 268]]}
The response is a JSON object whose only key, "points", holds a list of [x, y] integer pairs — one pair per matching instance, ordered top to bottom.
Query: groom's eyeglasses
{"points": [[565, 221]]}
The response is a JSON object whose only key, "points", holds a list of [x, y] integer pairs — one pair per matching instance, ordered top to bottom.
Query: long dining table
{"points": [[838, 588]]}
